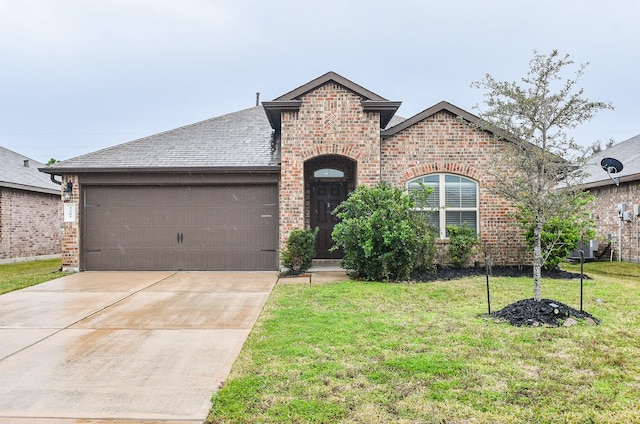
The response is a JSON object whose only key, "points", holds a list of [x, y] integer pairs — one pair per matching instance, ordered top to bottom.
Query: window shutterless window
{"points": [[453, 201]]}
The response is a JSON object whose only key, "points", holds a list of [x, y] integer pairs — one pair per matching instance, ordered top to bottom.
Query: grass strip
{"points": [[18, 275]]}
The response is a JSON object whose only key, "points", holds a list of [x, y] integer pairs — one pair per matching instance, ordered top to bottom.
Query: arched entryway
{"points": [[328, 181]]}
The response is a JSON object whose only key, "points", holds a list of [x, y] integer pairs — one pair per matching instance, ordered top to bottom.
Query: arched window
{"points": [[328, 173], [453, 201]]}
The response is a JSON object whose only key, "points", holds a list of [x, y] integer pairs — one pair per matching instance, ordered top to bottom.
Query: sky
{"points": [[77, 76]]}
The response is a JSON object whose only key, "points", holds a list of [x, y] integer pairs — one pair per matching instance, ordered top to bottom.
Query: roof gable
{"points": [[295, 94], [290, 101], [439, 107]]}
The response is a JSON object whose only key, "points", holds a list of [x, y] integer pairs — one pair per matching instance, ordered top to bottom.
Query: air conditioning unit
{"points": [[589, 250]]}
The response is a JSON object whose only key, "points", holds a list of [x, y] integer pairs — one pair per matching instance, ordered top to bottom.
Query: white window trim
{"points": [[442, 216]]}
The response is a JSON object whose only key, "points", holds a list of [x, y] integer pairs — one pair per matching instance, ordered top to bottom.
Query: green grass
{"points": [[617, 269], [16, 276], [356, 352]]}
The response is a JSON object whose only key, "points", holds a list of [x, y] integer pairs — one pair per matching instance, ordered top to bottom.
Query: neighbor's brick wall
{"points": [[331, 121], [443, 144], [606, 218], [29, 224], [71, 230]]}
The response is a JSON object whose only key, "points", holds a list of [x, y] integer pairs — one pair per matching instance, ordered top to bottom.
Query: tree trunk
{"points": [[537, 260]]}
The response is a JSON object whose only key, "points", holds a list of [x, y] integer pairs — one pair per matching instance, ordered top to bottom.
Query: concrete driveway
{"points": [[124, 347]]}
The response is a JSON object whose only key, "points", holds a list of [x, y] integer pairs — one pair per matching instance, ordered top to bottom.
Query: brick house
{"points": [[226, 192], [29, 210], [617, 233]]}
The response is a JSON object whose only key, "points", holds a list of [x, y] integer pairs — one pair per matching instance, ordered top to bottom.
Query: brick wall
{"points": [[331, 121], [443, 144], [607, 222], [29, 224], [71, 229]]}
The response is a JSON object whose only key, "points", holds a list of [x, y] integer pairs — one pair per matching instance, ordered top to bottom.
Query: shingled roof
{"points": [[237, 140], [241, 141], [627, 152], [20, 172]]}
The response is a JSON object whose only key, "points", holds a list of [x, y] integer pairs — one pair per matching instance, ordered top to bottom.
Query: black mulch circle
{"points": [[546, 312]]}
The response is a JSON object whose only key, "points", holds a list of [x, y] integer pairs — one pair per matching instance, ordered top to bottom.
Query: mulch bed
{"points": [[446, 273], [527, 312], [546, 312]]}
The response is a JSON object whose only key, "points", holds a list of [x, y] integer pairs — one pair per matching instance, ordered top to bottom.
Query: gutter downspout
{"points": [[53, 179], [620, 239], [637, 243]]}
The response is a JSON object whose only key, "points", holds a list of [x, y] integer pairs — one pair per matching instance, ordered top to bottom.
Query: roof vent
{"points": [[26, 163]]}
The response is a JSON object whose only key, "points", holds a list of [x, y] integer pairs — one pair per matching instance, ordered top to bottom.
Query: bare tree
{"points": [[533, 117], [596, 147]]}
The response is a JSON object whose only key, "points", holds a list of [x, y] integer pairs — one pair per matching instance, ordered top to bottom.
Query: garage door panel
{"points": [[114, 196], [208, 196], [224, 217], [141, 218], [180, 227], [222, 237], [128, 238], [249, 239], [227, 259], [132, 260]]}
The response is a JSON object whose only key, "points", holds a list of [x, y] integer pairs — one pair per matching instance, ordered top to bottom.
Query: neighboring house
{"points": [[224, 193], [29, 210], [617, 227]]}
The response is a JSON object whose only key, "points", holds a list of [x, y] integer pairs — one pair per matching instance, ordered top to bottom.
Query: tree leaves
{"points": [[532, 117]]}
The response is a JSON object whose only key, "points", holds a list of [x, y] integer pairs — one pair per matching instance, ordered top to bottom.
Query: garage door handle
{"points": [[180, 238]]}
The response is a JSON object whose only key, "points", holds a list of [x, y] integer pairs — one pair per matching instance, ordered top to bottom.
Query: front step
{"points": [[326, 263]]}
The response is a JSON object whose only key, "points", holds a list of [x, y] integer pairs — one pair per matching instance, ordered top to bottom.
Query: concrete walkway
{"points": [[124, 347]]}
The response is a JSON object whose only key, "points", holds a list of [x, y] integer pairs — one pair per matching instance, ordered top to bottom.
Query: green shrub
{"points": [[559, 237], [382, 238], [462, 242], [300, 250], [425, 257]]}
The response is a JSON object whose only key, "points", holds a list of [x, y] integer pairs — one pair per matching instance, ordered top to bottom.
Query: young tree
{"points": [[533, 118]]}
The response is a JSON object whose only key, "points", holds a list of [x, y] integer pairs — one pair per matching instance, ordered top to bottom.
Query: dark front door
{"points": [[325, 196]]}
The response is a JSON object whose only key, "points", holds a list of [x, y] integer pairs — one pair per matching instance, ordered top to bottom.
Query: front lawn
{"points": [[18, 275], [356, 352]]}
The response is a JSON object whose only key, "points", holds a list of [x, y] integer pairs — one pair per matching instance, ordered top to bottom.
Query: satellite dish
{"points": [[612, 166]]}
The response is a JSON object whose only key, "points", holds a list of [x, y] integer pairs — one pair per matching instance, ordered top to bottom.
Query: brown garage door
{"points": [[232, 227]]}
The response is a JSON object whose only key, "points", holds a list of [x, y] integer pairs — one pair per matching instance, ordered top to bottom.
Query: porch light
{"points": [[67, 191]]}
